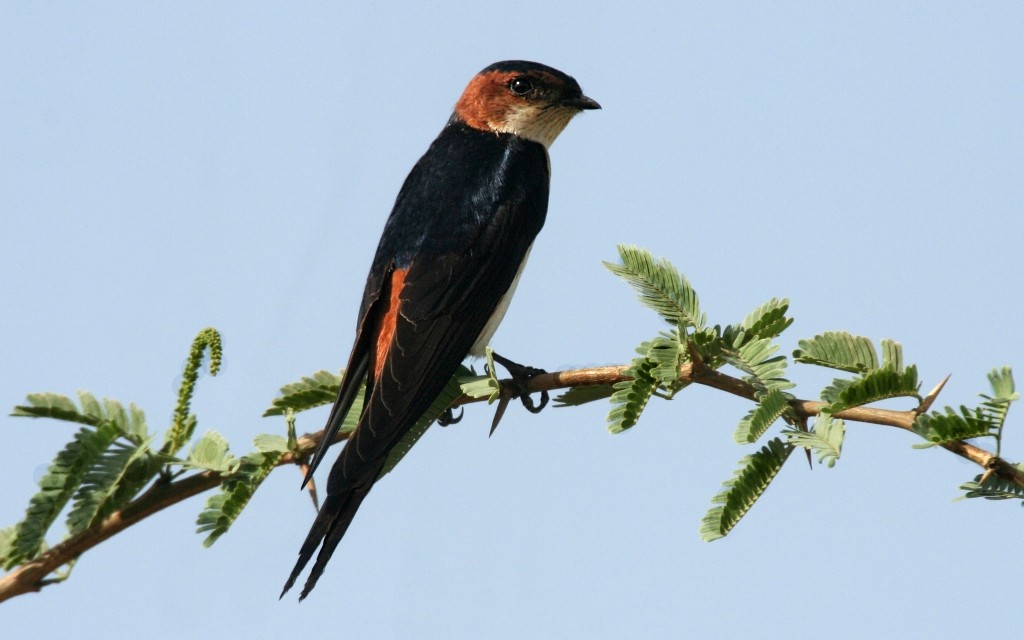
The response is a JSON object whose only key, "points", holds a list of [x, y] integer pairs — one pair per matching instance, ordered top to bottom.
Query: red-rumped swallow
{"points": [[447, 264]]}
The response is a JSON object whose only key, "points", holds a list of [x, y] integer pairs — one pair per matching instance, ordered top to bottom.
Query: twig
{"points": [[32, 575]]}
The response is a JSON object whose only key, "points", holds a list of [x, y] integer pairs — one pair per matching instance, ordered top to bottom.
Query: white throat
{"points": [[537, 123]]}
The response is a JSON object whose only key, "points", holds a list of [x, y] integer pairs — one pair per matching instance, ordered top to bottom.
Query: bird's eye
{"points": [[521, 86]]}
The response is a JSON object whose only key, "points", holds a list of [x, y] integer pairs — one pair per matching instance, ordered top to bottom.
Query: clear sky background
{"points": [[167, 167]]}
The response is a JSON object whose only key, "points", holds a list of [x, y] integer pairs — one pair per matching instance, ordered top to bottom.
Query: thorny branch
{"points": [[32, 576]]}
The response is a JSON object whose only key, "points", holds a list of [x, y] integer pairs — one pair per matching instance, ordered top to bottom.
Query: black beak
{"points": [[581, 102]]}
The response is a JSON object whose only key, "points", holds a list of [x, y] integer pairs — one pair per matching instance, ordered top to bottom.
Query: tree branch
{"points": [[31, 576]]}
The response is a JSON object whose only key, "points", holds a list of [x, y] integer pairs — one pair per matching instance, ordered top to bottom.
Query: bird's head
{"points": [[526, 99]]}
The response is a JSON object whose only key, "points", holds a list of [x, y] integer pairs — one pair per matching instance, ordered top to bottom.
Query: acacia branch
{"points": [[32, 576]]}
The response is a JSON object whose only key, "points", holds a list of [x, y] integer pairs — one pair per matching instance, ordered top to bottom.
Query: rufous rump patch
{"points": [[389, 321]]}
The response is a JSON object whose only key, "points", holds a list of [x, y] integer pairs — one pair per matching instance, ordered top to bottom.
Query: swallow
{"points": [[447, 264]]}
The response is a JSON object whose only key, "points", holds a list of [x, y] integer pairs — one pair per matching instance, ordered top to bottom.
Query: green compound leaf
{"points": [[660, 286], [769, 320], [766, 322], [838, 350], [666, 352], [892, 355], [656, 369], [764, 371], [879, 384], [486, 386], [1003, 388], [311, 391], [582, 395], [631, 396], [996, 406], [58, 407], [771, 407], [987, 420], [131, 423], [942, 428], [825, 439], [271, 443], [210, 453], [62, 480], [112, 480], [748, 483], [994, 488], [224, 507], [7, 536]]}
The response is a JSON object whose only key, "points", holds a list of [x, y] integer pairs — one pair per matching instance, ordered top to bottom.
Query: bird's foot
{"points": [[517, 387]]}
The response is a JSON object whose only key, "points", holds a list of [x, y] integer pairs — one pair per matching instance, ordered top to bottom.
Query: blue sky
{"points": [[176, 166]]}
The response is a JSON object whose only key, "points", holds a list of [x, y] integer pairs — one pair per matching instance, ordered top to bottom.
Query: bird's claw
{"points": [[517, 387], [535, 408], [447, 417]]}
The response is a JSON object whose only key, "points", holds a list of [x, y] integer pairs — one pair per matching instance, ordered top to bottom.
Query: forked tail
{"points": [[329, 527]]}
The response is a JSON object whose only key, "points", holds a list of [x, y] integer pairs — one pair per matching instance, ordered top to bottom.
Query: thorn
{"points": [[929, 399], [500, 411], [310, 486]]}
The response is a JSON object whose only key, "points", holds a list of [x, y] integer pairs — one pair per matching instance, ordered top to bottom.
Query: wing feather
{"points": [[444, 306]]}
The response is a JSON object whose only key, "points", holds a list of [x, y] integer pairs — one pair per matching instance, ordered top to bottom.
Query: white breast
{"points": [[481, 343]]}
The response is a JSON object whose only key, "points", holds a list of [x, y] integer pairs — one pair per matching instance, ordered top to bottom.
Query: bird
{"points": [[446, 266]]}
